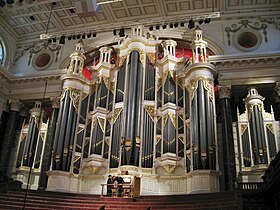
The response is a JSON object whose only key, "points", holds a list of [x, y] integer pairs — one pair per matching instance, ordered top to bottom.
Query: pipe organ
{"points": [[151, 115], [257, 139]]}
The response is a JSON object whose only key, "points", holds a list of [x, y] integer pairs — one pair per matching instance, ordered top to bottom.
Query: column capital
{"points": [[277, 88], [224, 91], [55, 102], [15, 105], [5, 106], [24, 111]]}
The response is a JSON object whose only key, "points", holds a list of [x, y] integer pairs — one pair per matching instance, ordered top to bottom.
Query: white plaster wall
{"points": [[214, 33]]}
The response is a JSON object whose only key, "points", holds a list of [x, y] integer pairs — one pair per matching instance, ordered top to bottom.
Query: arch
{"points": [[6, 49]]}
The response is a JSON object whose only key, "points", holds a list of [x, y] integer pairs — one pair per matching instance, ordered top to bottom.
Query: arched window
{"points": [[1, 52]]}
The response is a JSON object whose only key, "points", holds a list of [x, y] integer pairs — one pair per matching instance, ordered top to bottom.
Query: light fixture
{"points": [[10, 1], [107, 2], [2, 3], [207, 20], [200, 21], [191, 24], [121, 33], [62, 40]]}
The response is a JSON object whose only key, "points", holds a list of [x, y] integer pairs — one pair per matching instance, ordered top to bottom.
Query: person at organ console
{"points": [[110, 181], [120, 186]]}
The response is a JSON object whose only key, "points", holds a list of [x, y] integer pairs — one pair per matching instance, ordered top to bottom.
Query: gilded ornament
{"points": [[141, 52], [152, 57], [121, 60], [106, 82], [159, 83], [208, 86], [112, 87], [169, 94], [75, 97], [150, 110], [117, 112], [267, 115], [164, 119], [173, 119], [101, 122], [270, 127], [243, 128], [42, 134], [23, 136], [181, 138], [158, 139], [107, 140], [137, 141], [127, 144], [195, 148], [65, 151], [203, 154], [76, 158], [169, 168], [93, 169], [146, 170]]}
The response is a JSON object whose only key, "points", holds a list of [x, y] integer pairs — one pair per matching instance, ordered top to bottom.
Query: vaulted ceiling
{"points": [[29, 19]]}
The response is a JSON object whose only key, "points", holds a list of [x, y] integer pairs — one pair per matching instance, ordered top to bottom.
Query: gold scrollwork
{"points": [[141, 52], [152, 57], [121, 60], [106, 82], [159, 83], [207, 83], [169, 94], [75, 95], [150, 110], [116, 115], [164, 119], [173, 119], [102, 124], [270, 127], [243, 128], [181, 138], [107, 140], [137, 141], [127, 144], [203, 154], [76, 158], [169, 168]]}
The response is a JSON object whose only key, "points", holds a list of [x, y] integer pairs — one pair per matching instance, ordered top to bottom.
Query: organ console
{"points": [[131, 186]]}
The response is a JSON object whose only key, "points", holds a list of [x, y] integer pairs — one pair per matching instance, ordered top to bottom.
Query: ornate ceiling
{"points": [[29, 19]]}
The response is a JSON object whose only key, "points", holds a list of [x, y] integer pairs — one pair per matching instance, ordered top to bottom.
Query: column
{"points": [[277, 101], [3, 122], [227, 134], [9, 135], [32, 135], [15, 143], [46, 161]]}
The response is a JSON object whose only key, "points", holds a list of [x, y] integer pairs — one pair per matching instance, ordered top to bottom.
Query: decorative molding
{"points": [[224, 91], [15, 105]]}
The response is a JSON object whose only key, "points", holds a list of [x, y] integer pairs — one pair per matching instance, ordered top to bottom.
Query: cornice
{"points": [[243, 62], [32, 77]]}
